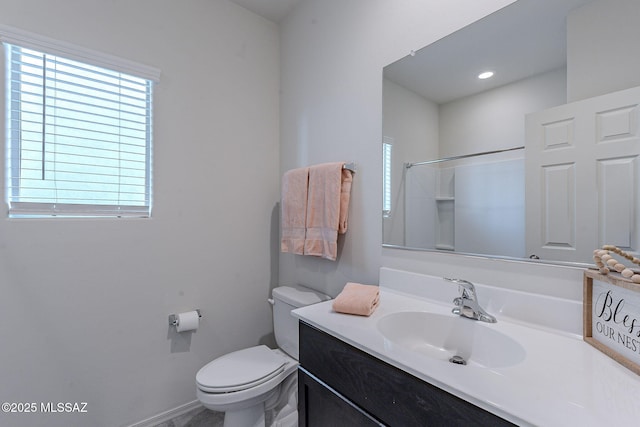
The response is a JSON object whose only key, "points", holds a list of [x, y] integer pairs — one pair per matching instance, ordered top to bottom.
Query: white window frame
{"points": [[24, 39]]}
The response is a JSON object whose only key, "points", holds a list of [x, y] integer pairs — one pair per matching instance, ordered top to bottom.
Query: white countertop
{"points": [[562, 381]]}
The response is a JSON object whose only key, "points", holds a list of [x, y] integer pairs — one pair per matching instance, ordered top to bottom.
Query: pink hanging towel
{"points": [[327, 208], [294, 210]]}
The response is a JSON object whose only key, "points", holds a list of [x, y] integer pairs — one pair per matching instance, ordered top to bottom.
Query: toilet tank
{"points": [[285, 326]]}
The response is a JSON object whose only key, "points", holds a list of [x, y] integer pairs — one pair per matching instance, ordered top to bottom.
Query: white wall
{"points": [[602, 48], [332, 58], [84, 303]]}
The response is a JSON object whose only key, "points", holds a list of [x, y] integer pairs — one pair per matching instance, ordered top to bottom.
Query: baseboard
{"points": [[168, 415]]}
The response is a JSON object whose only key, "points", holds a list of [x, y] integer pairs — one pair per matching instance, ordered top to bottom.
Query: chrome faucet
{"points": [[467, 303]]}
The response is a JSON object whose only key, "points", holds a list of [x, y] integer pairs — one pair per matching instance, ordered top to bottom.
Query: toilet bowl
{"points": [[244, 384], [257, 386]]}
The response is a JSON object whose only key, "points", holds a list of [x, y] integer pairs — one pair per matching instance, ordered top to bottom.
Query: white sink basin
{"points": [[444, 336]]}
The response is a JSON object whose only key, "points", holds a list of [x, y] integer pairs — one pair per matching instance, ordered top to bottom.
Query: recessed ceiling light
{"points": [[485, 75]]}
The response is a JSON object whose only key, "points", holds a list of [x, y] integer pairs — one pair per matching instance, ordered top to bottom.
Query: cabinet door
{"points": [[320, 406]]}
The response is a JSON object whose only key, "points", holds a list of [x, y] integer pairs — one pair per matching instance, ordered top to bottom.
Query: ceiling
{"points": [[273, 10]]}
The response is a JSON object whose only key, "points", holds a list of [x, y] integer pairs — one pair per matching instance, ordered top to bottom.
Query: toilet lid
{"points": [[240, 370]]}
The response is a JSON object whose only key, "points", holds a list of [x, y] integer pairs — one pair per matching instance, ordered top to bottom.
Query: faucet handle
{"points": [[461, 282], [467, 290], [467, 304]]}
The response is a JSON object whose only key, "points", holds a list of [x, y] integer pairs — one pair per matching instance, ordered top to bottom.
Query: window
{"points": [[78, 137], [387, 145]]}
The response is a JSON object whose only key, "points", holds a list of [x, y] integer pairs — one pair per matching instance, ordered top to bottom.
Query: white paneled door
{"points": [[582, 187]]}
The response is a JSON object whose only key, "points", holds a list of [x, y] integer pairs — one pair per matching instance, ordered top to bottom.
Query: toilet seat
{"points": [[240, 370]]}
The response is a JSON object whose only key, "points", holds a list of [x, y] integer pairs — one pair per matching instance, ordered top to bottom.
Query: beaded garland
{"points": [[606, 262]]}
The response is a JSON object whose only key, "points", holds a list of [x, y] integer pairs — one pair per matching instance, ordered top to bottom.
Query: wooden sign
{"points": [[611, 317]]}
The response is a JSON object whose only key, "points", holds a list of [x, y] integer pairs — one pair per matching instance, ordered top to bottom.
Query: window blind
{"points": [[78, 137], [387, 145]]}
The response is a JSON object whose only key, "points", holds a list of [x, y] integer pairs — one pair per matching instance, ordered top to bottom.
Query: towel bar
{"points": [[350, 166]]}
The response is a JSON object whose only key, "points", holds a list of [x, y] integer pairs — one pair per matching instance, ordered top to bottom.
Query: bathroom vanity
{"points": [[392, 368], [331, 370]]}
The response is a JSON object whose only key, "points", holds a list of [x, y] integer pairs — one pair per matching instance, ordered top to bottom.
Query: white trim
{"points": [[35, 41], [39, 210], [168, 415]]}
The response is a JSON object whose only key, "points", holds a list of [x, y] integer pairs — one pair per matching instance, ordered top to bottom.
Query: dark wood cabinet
{"points": [[340, 385], [321, 406]]}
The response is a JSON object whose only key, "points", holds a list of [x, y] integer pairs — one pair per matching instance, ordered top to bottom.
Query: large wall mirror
{"points": [[538, 161]]}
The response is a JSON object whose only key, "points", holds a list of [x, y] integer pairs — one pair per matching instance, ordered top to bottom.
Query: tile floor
{"points": [[199, 417]]}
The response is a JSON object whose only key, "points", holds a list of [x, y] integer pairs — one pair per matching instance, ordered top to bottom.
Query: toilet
{"points": [[259, 384]]}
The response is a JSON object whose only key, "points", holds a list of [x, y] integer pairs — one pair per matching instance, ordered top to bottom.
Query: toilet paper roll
{"points": [[188, 321]]}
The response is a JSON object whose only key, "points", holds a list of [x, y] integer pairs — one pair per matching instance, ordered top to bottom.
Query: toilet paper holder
{"points": [[173, 318]]}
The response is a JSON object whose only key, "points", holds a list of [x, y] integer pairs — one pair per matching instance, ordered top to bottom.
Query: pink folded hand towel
{"points": [[327, 208], [294, 210], [358, 299]]}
